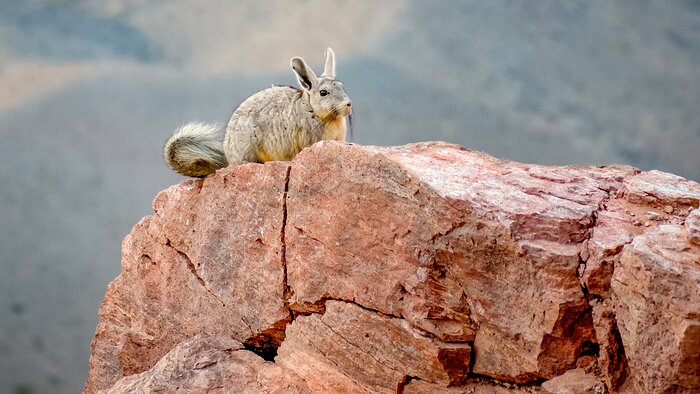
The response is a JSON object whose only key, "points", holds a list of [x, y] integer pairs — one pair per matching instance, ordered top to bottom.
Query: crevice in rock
{"points": [[602, 206], [584, 254], [193, 270], [581, 270], [286, 290], [319, 307], [377, 311], [573, 330], [265, 343], [589, 348], [267, 353], [610, 354], [472, 358], [612, 360], [619, 376], [490, 380], [404, 382]]}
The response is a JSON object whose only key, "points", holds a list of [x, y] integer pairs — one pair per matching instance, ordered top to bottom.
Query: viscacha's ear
{"points": [[329, 69], [305, 75]]}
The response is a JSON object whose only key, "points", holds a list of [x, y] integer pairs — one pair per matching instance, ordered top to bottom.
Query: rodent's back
{"points": [[273, 124]]}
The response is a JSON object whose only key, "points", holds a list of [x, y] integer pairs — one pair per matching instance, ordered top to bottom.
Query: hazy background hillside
{"points": [[90, 89]]}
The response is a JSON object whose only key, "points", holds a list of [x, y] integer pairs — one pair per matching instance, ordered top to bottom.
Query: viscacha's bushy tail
{"points": [[195, 149]]}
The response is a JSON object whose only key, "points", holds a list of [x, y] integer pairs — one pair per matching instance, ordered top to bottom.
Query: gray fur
{"points": [[273, 124], [195, 150]]}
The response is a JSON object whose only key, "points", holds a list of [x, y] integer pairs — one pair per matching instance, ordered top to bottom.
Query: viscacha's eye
{"points": [[323, 92]]}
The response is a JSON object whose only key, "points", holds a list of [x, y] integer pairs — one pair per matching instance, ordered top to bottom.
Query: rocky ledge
{"points": [[425, 268]]}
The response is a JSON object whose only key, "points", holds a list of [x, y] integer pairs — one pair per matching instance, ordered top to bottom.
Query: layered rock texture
{"points": [[425, 268]]}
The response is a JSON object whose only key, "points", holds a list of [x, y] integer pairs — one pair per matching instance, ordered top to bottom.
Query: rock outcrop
{"points": [[422, 268]]}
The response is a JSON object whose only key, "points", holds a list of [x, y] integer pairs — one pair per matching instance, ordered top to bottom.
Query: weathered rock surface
{"points": [[692, 223], [209, 261], [422, 268], [656, 290], [375, 351], [611, 361], [212, 365], [574, 381], [473, 386]]}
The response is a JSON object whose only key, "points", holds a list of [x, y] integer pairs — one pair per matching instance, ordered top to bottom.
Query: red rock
{"points": [[662, 190], [653, 195], [692, 226], [615, 227], [614, 230], [429, 231], [209, 261], [423, 268], [656, 287], [356, 349], [612, 361], [211, 365], [575, 381], [416, 386]]}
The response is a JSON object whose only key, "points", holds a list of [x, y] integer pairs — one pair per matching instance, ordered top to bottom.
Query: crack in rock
{"points": [[193, 270], [286, 289], [404, 382]]}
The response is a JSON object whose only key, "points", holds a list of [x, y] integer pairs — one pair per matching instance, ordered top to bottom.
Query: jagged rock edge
{"points": [[602, 207]]}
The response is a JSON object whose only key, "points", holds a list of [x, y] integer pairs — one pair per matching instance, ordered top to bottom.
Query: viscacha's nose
{"points": [[349, 104]]}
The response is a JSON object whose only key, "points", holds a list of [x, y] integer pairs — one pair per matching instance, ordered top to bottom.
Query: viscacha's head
{"points": [[326, 94]]}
